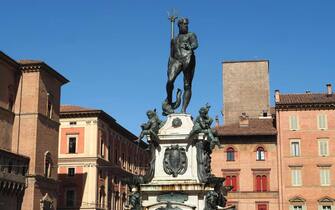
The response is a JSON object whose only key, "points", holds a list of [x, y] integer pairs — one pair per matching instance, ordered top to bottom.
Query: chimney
{"points": [[329, 90], [277, 94], [244, 120], [217, 123]]}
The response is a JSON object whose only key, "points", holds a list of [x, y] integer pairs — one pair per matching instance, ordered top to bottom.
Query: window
{"points": [[49, 105], [322, 121], [73, 123], [294, 123], [72, 144], [323, 147], [102, 148], [295, 148], [110, 153], [260, 153], [230, 154], [116, 157], [123, 160], [129, 163], [47, 164], [70, 171], [296, 176], [325, 176], [232, 181], [261, 183], [102, 195], [70, 198], [297, 203], [326, 203], [262, 206], [297, 207]]}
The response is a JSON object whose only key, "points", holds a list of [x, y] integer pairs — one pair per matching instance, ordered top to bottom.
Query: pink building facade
{"points": [[306, 145], [248, 161]]}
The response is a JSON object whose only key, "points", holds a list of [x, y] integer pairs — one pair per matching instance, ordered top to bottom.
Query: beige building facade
{"points": [[95, 153]]}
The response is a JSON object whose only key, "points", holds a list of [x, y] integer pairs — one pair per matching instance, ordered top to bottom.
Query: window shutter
{"points": [[293, 122], [327, 173], [228, 183], [234, 183], [258, 183], [264, 183], [291, 207], [304, 207], [333, 207]]}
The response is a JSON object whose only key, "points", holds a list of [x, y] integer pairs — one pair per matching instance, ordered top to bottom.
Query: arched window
{"points": [[260, 153], [230, 154], [47, 164]]}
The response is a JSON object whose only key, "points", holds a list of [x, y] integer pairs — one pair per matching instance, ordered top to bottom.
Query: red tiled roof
{"points": [[306, 98], [71, 108], [261, 127]]}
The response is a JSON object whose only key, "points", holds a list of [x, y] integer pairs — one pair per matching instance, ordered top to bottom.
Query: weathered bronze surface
{"points": [[182, 59], [202, 124], [151, 128], [175, 161], [215, 199]]}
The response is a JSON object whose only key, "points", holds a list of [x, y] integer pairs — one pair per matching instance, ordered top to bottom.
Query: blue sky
{"points": [[115, 52]]}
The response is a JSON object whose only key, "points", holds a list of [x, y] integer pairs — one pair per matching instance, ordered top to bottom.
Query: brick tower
{"points": [[246, 89], [35, 131]]}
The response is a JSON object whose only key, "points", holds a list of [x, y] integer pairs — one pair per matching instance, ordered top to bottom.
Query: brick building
{"points": [[245, 89], [29, 122], [306, 145], [95, 153], [248, 160]]}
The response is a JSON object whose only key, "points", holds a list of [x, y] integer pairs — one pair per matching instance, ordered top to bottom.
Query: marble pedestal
{"points": [[183, 191]]}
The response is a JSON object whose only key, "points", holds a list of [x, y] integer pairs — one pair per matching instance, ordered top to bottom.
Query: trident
{"points": [[172, 16]]}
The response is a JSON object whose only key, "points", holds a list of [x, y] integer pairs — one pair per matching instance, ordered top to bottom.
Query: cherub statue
{"points": [[202, 124], [151, 127]]}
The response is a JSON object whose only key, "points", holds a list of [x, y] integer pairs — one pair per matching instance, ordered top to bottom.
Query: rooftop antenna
{"points": [[172, 16]]}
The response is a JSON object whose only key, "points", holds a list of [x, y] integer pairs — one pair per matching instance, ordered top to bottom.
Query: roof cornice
{"points": [[38, 66], [305, 106]]}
